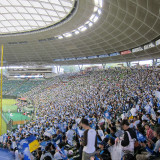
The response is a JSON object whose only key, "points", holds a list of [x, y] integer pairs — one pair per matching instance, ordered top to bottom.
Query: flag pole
{"points": [[1, 86]]}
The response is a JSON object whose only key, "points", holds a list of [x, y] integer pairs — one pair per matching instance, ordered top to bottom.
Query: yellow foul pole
{"points": [[1, 88]]}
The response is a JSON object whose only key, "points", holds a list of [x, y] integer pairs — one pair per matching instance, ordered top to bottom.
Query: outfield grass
{"points": [[9, 101], [9, 104]]}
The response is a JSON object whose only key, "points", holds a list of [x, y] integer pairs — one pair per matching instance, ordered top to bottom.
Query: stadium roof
{"points": [[23, 15], [79, 31]]}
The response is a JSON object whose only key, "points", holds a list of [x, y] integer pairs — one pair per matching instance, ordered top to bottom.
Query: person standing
{"points": [[133, 111], [70, 135], [129, 138], [89, 141]]}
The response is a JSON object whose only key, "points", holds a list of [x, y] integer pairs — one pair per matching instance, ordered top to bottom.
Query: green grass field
{"points": [[9, 104]]}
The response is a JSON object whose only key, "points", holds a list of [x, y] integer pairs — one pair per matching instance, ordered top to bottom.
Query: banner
{"points": [[125, 52], [29, 143], [34, 145]]}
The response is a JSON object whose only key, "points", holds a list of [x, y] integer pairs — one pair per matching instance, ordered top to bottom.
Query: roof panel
{"points": [[33, 10]]}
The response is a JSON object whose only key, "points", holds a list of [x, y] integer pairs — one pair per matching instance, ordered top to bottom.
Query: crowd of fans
{"points": [[109, 114]]}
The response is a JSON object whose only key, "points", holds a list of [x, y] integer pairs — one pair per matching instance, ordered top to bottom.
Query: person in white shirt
{"points": [[148, 108], [133, 111], [123, 116], [144, 117], [70, 135], [89, 142]]}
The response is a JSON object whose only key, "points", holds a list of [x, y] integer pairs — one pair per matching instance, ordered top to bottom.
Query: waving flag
{"points": [[109, 108], [107, 115], [93, 126], [74, 127], [119, 133], [101, 134], [140, 137], [98, 140], [33, 143], [28, 144], [43, 145], [55, 145], [23, 147], [61, 151], [26, 152], [63, 154]]}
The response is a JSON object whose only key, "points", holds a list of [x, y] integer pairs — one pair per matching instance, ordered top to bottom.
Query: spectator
{"points": [[134, 111], [149, 131], [70, 135], [129, 138], [89, 141], [150, 152], [46, 153], [58, 155]]}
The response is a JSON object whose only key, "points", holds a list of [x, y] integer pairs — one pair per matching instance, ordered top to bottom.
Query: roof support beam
{"points": [[154, 62], [128, 64], [104, 65], [80, 67]]}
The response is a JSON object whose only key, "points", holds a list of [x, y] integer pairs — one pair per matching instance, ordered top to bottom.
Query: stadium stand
{"points": [[61, 107]]}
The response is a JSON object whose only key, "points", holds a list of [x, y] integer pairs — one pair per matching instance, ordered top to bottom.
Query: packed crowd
{"points": [[110, 114]]}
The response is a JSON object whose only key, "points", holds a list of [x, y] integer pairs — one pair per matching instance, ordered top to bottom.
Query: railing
{"points": [[4, 118], [9, 122], [10, 125]]}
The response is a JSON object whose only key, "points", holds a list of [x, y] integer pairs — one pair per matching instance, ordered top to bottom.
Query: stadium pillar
{"points": [[154, 62], [128, 64], [104, 65], [80, 67], [58, 69]]}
